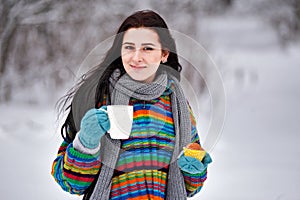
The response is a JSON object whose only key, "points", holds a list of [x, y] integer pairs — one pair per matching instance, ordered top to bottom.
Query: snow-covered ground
{"points": [[256, 157]]}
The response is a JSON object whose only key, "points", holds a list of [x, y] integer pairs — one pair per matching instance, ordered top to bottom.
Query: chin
{"points": [[139, 78]]}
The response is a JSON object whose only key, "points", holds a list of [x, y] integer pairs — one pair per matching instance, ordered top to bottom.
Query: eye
{"points": [[128, 47], [148, 48]]}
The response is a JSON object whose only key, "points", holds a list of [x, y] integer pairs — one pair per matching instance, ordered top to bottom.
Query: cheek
{"points": [[154, 59], [125, 60]]}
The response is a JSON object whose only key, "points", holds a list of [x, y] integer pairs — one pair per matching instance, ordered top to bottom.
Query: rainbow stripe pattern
{"points": [[142, 168], [74, 171]]}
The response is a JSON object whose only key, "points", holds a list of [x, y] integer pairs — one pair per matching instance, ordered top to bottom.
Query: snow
{"points": [[257, 156]]}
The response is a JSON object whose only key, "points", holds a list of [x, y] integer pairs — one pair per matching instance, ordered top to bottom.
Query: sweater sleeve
{"points": [[74, 171], [194, 182]]}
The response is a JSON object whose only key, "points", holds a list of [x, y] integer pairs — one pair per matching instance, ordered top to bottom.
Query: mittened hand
{"points": [[94, 125], [190, 165], [193, 165]]}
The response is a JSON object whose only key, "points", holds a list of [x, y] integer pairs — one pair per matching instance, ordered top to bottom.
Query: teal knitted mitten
{"points": [[94, 125], [192, 165]]}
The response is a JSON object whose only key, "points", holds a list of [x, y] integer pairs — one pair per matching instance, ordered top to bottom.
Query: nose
{"points": [[137, 56]]}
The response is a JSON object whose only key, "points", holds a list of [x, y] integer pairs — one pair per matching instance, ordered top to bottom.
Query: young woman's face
{"points": [[142, 53]]}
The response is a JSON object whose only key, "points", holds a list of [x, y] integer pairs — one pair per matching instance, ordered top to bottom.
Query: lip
{"points": [[137, 67]]}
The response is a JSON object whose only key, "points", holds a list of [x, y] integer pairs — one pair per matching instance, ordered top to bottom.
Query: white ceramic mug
{"points": [[120, 117]]}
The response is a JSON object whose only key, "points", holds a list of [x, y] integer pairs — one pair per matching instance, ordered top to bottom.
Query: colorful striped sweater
{"points": [[142, 168]]}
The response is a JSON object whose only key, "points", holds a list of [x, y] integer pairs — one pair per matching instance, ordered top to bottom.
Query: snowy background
{"points": [[257, 155]]}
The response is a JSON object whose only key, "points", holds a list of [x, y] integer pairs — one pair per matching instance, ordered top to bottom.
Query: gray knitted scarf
{"points": [[123, 89]]}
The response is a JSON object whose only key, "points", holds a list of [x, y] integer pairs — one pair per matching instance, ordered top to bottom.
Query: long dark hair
{"points": [[113, 61]]}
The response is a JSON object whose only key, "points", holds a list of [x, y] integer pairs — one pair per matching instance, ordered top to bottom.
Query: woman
{"points": [[140, 69]]}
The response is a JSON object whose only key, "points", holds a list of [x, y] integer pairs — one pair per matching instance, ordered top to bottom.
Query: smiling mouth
{"points": [[137, 67]]}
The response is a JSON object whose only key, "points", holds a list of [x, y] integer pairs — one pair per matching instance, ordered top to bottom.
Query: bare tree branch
{"points": [[9, 28]]}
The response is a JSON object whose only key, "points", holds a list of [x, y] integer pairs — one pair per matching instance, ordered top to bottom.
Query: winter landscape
{"points": [[257, 153]]}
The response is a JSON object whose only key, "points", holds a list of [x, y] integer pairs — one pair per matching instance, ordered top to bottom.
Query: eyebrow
{"points": [[143, 44]]}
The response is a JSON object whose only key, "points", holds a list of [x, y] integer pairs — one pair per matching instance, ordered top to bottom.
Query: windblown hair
{"points": [[112, 61]]}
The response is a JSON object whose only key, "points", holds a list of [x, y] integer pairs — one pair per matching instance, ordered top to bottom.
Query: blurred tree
{"points": [[227, 2], [296, 11], [12, 14], [283, 16], [286, 20], [41, 39], [43, 42]]}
